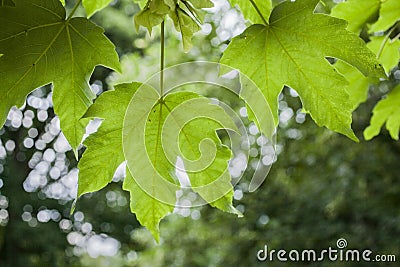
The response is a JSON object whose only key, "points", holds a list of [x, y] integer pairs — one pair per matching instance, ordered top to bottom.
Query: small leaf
{"points": [[141, 3], [201, 3], [92, 6], [249, 11], [357, 12], [153, 13], [389, 15], [186, 16], [185, 25], [41, 47], [291, 51], [389, 51], [358, 83], [387, 110]]}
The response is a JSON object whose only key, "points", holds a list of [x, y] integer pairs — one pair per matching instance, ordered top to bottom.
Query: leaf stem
{"points": [[74, 9], [259, 12], [384, 42], [162, 59]]}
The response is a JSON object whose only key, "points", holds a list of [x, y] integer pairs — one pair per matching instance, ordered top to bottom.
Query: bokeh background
{"points": [[322, 186]]}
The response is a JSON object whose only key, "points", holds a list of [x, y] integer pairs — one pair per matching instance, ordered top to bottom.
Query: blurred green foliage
{"points": [[322, 187]]}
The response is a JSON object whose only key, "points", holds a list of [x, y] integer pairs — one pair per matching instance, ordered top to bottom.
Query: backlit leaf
{"points": [[92, 6], [357, 12], [153, 13], [250, 13], [186, 15], [389, 15], [41, 46], [291, 51], [389, 55], [386, 111], [104, 148], [151, 181]]}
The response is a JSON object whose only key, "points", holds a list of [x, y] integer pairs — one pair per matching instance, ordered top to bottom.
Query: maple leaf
{"points": [[40, 46], [291, 49], [151, 164]]}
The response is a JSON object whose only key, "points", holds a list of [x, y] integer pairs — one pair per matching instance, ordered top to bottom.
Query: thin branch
{"points": [[384, 42]]}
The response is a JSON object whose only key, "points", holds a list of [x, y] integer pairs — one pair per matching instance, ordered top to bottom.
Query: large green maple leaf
{"points": [[40, 46], [291, 49], [104, 153], [150, 177]]}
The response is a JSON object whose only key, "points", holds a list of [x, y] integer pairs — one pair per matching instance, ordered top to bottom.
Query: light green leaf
{"points": [[62, 2], [141, 3], [201, 3], [92, 6], [357, 12], [153, 13], [250, 13], [389, 15], [186, 16], [185, 25], [387, 50], [291, 51], [58, 53], [389, 55], [358, 83], [387, 110], [186, 128], [163, 146], [106, 150], [104, 154], [149, 211]]}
